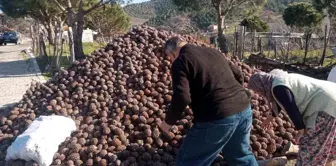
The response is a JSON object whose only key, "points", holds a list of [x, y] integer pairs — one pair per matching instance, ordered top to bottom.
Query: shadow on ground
{"points": [[3, 52], [45, 62], [17, 68], [25, 68]]}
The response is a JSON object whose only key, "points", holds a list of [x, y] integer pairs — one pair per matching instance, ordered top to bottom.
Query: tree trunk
{"points": [[72, 29], [32, 35], [51, 35], [77, 35], [101, 36], [38, 40], [104, 40], [326, 41], [55, 43], [222, 43], [71, 45], [43, 46], [306, 47], [55, 49], [59, 52]]}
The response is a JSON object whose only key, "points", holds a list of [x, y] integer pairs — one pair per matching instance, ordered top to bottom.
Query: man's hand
{"points": [[266, 124], [165, 129], [299, 136]]}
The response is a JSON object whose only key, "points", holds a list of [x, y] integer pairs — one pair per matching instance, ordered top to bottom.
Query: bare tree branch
{"points": [[214, 3], [241, 3], [59, 5], [98, 5], [80, 6], [228, 8]]}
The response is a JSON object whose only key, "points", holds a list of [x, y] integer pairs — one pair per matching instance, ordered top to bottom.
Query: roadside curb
{"points": [[34, 65], [34, 68]]}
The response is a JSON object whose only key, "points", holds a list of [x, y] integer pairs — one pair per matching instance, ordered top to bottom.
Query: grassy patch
{"points": [[231, 29], [88, 48], [297, 56], [45, 62]]}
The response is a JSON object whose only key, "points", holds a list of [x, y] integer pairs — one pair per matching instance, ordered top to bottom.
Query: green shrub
{"points": [[254, 23]]}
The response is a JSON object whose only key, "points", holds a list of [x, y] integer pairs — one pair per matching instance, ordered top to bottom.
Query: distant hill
{"points": [[280, 5], [149, 9], [158, 12], [161, 12]]}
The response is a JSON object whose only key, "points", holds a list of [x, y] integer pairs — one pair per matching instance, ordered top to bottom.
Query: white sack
{"points": [[332, 75], [41, 140]]}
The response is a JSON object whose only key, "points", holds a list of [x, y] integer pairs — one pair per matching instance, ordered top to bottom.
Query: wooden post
{"points": [[244, 34], [308, 34], [252, 40], [301, 41], [326, 41], [241, 42], [259, 44], [269, 44], [275, 49], [234, 50], [287, 52]]}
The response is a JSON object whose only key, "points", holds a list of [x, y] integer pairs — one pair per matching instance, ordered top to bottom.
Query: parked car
{"points": [[9, 37]]}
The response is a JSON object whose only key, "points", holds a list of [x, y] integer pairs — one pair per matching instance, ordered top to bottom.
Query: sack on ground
{"points": [[41, 140]]}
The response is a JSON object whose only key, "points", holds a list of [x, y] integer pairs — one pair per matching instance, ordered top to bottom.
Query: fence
{"points": [[314, 49]]}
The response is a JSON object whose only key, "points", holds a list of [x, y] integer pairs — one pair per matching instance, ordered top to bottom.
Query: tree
{"points": [[329, 6], [222, 7], [40, 10], [76, 11], [44, 13], [303, 15], [204, 18], [109, 20], [254, 23], [18, 24]]}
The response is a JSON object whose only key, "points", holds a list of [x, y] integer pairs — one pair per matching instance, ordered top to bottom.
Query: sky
{"points": [[133, 1], [139, 1]]}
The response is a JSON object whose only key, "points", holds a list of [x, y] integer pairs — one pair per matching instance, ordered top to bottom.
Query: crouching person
{"points": [[310, 104]]}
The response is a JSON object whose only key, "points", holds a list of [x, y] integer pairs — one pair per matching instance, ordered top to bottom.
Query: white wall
{"points": [[87, 35]]}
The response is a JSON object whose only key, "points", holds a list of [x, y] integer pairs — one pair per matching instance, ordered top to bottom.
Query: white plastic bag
{"points": [[332, 75], [41, 140]]}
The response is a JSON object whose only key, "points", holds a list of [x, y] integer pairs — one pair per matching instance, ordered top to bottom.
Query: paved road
{"points": [[16, 73]]}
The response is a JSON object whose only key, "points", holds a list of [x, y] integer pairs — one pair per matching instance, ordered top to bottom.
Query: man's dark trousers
{"points": [[231, 135]]}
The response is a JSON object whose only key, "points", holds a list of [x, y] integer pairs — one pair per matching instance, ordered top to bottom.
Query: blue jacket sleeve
{"points": [[286, 99]]}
